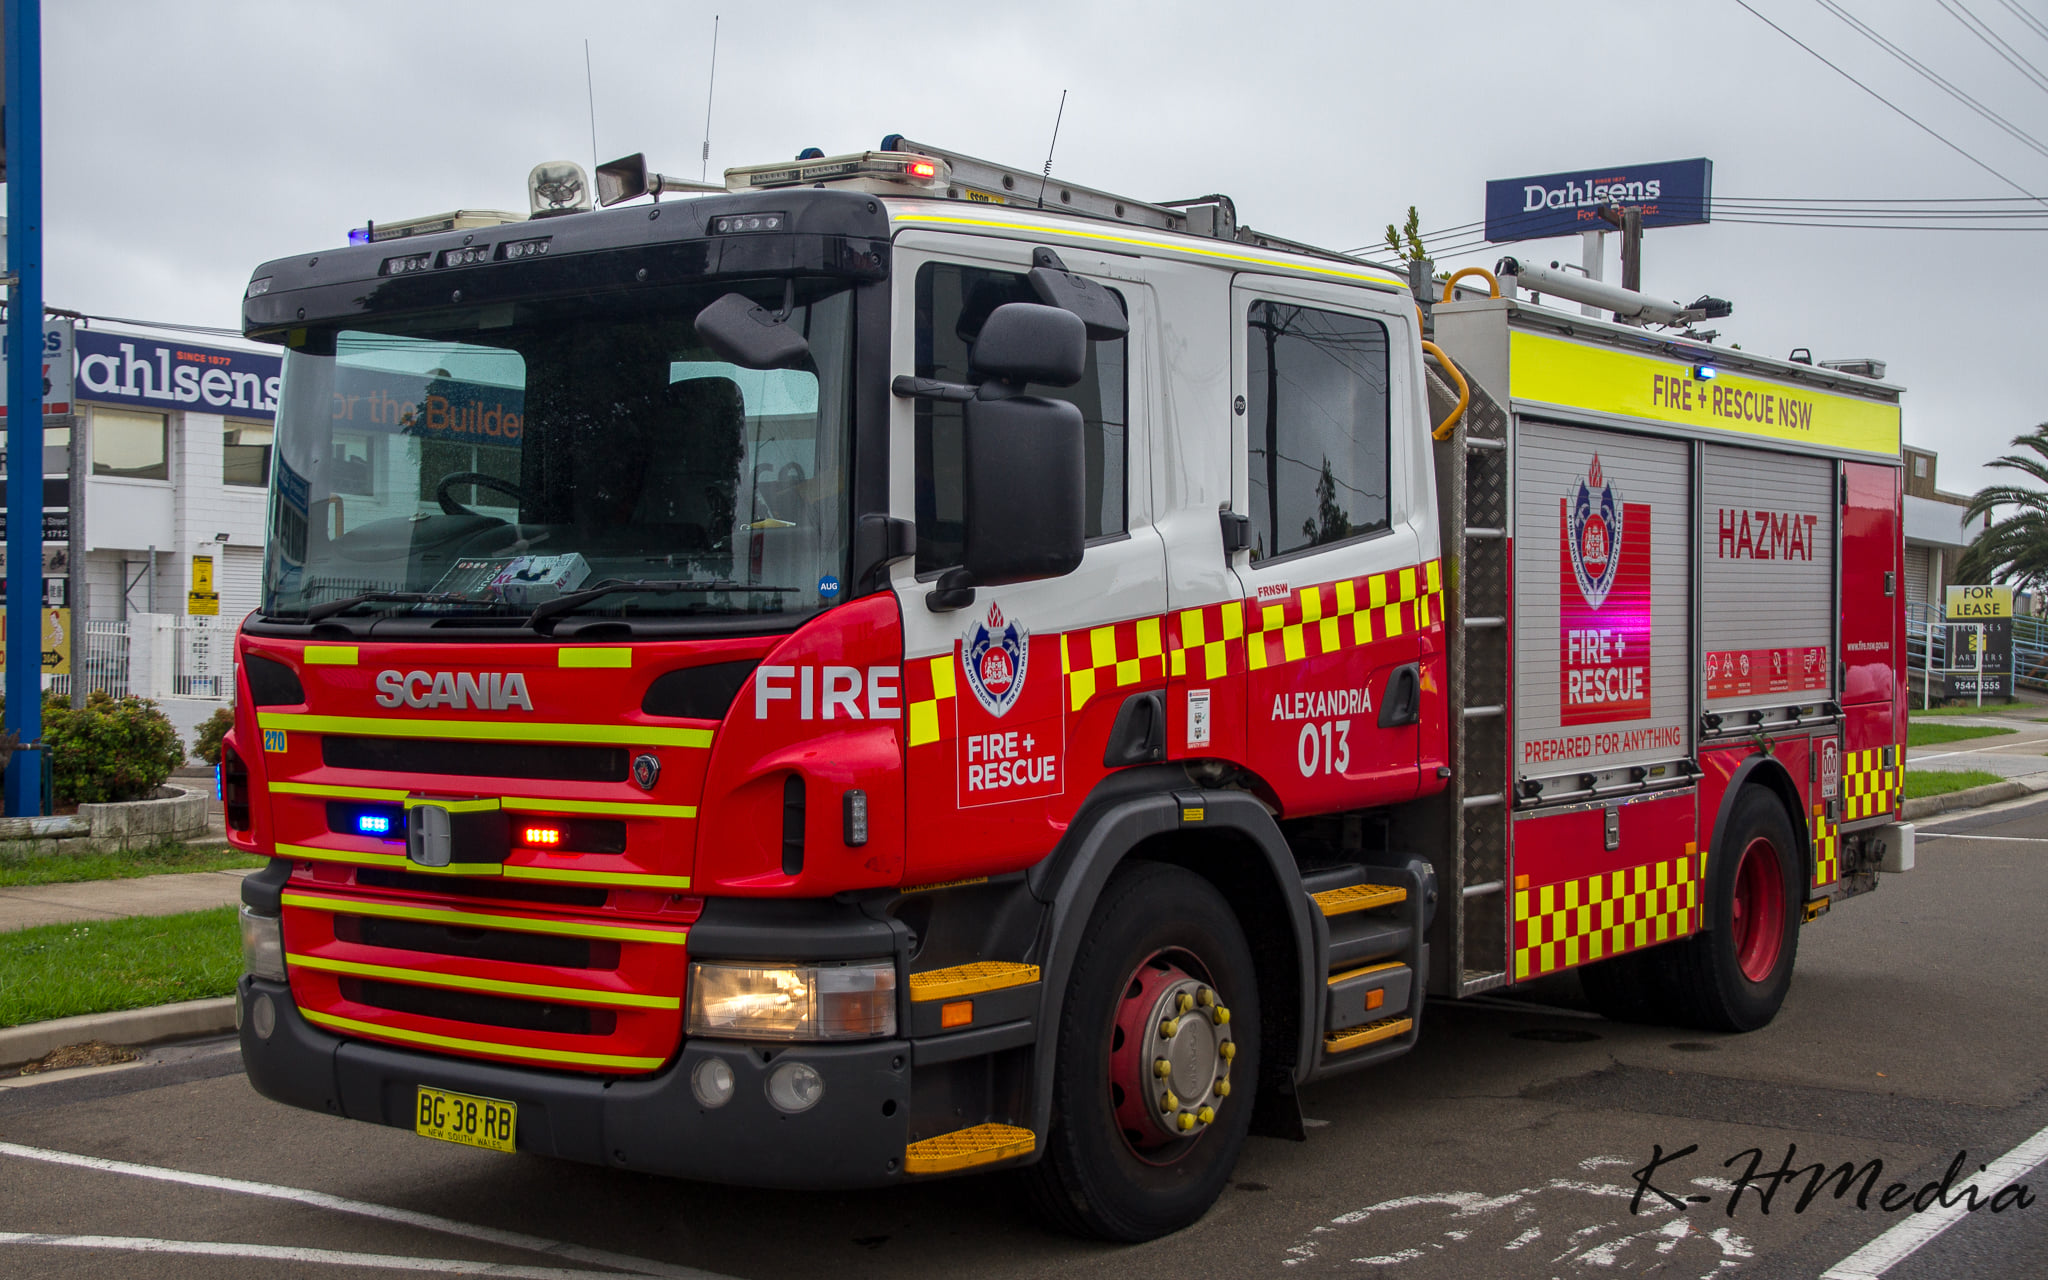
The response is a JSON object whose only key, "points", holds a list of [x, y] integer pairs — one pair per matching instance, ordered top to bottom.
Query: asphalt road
{"points": [[1505, 1146]]}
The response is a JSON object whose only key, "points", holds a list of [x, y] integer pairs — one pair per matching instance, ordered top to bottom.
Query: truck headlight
{"points": [[262, 946], [793, 1002]]}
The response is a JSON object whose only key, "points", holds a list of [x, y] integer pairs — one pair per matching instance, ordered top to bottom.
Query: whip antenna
{"points": [[1048, 151], [704, 161]]}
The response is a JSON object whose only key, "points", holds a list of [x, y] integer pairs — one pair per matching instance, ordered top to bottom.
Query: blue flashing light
{"points": [[359, 235], [1704, 373], [220, 782], [373, 824]]}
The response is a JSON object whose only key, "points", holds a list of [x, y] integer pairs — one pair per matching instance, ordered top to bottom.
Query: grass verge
{"points": [[1972, 709], [1929, 735], [1932, 782], [127, 864], [60, 970]]}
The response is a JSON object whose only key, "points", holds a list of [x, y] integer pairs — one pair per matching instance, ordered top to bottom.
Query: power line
{"points": [[2040, 28], [1982, 30], [1870, 33], [1889, 103]]}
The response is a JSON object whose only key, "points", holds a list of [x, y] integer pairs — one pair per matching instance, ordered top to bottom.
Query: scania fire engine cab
{"points": [[898, 667]]}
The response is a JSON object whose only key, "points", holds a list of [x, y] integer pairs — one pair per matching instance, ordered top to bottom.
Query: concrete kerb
{"points": [[1975, 797], [175, 812], [131, 1027]]}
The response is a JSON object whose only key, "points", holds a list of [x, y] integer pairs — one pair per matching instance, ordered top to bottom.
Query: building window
{"points": [[952, 303], [1317, 422], [134, 446], [245, 453], [1920, 465]]}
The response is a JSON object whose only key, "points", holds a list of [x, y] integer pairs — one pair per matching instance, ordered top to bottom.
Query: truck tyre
{"points": [[1733, 975], [1157, 1063]]}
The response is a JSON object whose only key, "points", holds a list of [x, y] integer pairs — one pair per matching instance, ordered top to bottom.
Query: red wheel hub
{"points": [[1759, 910], [1169, 1057]]}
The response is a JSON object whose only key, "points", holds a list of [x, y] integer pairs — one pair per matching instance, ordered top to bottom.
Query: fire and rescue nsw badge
{"points": [[1593, 532], [996, 653], [1012, 732]]}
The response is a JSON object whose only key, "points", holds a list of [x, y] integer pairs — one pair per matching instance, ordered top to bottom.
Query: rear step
{"points": [[1359, 897], [1375, 957], [966, 1148]]}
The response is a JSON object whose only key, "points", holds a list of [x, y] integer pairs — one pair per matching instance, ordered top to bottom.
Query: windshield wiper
{"points": [[563, 604], [343, 605]]}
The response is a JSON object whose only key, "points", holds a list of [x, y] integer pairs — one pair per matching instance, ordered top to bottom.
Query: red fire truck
{"points": [[897, 667]]}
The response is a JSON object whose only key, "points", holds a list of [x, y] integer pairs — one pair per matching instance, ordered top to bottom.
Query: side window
{"points": [[952, 303], [1317, 422]]}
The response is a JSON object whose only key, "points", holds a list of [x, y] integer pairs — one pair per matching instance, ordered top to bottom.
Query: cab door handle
{"points": [[1402, 704]]}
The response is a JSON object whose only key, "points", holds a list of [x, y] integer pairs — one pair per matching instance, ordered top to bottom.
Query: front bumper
{"points": [[854, 1137]]}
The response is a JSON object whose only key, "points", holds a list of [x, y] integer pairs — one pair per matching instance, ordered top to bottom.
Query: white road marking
{"points": [[1958, 835], [363, 1208], [1899, 1243], [278, 1253]]}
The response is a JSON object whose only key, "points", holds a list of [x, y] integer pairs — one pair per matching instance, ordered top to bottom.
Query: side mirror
{"points": [[1098, 308], [744, 332], [1022, 342], [1025, 485]]}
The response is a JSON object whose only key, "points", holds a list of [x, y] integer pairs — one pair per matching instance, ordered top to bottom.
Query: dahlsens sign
{"points": [[1670, 193], [145, 373], [1581, 376]]}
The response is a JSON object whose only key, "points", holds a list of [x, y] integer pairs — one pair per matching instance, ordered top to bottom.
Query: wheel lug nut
{"points": [[1205, 997], [1184, 1002], [1220, 1015], [1168, 1027], [1228, 1049], [1162, 1068], [1223, 1088], [1168, 1102], [1206, 1115], [1187, 1122]]}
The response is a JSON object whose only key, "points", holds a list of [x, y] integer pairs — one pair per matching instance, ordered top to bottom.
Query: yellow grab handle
{"points": [[1492, 280], [1450, 422]]}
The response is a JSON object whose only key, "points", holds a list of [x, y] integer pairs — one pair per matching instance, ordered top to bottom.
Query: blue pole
{"points": [[24, 70]]}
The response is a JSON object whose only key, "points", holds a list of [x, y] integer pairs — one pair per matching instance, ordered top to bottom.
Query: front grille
{"points": [[550, 761], [465, 887], [478, 944], [490, 1011]]}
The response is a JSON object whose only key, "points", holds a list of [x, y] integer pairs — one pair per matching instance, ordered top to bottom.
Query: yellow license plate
{"points": [[463, 1118]]}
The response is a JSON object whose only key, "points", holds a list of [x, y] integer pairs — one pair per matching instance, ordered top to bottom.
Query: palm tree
{"points": [[2015, 548]]}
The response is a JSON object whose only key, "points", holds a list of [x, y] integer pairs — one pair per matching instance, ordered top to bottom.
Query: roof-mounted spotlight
{"points": [[557, 187]]}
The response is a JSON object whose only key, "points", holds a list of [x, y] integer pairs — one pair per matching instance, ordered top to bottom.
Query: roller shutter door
{"points": [[1767, 563], [1919, 574], [240, 583], [1602, 644]]}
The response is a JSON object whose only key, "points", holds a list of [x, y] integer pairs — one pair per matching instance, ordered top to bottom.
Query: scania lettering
{"points": [[847, 680]]}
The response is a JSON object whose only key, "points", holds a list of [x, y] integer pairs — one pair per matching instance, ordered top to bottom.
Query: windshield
{"points": [[499, 458]]}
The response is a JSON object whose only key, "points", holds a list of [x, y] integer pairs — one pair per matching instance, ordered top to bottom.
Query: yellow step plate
{"points": [[1359, 897], [970, 979], [1358, 1037], [965, 1148]]}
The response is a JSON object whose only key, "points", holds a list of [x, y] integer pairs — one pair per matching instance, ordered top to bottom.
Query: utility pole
{"points": [[24, 137], [1630, 220]]}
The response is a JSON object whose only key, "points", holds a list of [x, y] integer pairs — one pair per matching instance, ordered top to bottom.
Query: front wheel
{"points": [[1157, 1061]]}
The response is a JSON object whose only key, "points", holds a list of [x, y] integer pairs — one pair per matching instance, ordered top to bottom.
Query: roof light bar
{"points": [[895, 168]]}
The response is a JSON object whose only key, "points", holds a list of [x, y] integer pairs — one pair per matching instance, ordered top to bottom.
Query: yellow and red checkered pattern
{"points": [[1353, 612], [1214, 635], [1117, 656], [927, 682], [1870, 785], [1827, 856], [1558, 926]]}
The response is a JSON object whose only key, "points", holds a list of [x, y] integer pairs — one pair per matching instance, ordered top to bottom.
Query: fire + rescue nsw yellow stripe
{"points": [[1285, 262], [1560, 371], [330, 655], [594, 657], [605, 735], [514, 804], [396, 861], [612, 879], [478, 920], [462, 982], [334, 1023]]}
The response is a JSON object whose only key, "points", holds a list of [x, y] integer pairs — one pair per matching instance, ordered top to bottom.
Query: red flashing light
{"points": [[921, 169], [546, 837]]}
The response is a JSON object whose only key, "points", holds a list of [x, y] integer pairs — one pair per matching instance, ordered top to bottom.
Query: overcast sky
{"points": [[187, 142]]}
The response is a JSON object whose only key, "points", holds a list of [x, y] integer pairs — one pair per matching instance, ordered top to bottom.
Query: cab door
{"points": [[1342, 587], [1009, 700]]}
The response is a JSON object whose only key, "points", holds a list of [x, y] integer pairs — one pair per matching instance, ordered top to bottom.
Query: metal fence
{"points": [[157, 657], [105, 663]]}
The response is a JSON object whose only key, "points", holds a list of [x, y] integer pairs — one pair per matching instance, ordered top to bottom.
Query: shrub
{"points": [[206, 738], [109, 749]]}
